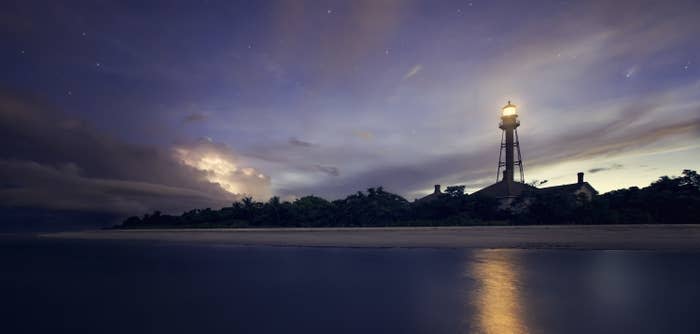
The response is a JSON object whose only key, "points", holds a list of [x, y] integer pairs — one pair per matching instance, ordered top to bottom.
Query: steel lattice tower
{"points": [[509, 141]]}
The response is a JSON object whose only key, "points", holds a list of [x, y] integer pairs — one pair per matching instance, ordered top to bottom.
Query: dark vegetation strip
{"points": [[669, 200]]}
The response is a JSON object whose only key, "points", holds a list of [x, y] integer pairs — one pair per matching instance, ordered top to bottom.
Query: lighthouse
{"points": [[510, 144], [507, 187]]}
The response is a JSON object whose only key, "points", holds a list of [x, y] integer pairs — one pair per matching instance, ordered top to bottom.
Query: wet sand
{"points": [[610, 237]]}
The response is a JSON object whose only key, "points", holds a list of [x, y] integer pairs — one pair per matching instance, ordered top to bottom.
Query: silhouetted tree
{"points": [[455, 191], [667, 200]]}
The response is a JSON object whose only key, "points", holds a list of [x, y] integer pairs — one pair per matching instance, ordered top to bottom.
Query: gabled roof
{"points": [[569, 188], [505, 189], [515, 189], [437, 194]]}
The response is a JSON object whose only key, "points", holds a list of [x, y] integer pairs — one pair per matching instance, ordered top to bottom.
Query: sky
{"points": [[125, 107]]}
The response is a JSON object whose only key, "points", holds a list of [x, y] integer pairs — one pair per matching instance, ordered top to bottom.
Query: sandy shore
{"points": [[628, 237]]}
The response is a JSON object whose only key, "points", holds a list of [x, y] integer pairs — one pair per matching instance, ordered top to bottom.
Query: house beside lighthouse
{"points": [[507, 189], [578, 189]]}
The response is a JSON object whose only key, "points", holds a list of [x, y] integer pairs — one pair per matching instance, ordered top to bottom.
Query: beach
{"points": [[594, 237]]}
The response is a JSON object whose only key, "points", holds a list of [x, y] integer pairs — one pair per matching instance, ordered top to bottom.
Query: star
{"points": [[330, 11], [84, 34], [21, 51], [386, 52], [98, 64], [69, 92]]}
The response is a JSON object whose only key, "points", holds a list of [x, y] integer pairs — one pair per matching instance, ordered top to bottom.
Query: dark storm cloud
{"points": [[35, 132], [50, 161], [63, 188]]}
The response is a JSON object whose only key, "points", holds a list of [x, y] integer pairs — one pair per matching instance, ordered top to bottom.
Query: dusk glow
{"points": [[220, 100], [349, 166]]}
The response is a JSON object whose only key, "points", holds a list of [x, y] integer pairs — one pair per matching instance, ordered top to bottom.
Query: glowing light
{"points": [[509, 110], [215, 165], [219, 169]]}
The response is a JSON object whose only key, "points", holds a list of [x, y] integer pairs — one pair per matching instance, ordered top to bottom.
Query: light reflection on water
{"points": [[497, 298]]}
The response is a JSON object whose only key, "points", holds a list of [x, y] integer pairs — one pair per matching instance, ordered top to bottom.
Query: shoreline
{"points": [[577, 237]]}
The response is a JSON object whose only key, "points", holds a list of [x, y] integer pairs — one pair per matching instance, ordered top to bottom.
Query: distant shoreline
{"points": [[593, 237]]}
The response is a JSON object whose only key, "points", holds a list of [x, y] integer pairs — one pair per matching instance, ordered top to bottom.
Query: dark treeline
{"points": [[667, 200]]}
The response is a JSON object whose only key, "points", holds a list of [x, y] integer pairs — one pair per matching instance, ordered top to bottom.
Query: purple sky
{"points": [[125, 107]]}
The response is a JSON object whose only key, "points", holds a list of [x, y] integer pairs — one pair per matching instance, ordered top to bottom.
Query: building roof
{"points": [[569, 188], [506, 189], [511, 189], [515, 189], [437, 194]]}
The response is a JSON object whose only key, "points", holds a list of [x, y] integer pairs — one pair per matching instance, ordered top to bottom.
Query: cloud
{"points": [[361, 32], [413, 71], [569, 81], [195, 117], [632, 140], [297, 142], [53, 162], [221, 166], [603, 169], [330, 170], [409, 178], [51, 187]]}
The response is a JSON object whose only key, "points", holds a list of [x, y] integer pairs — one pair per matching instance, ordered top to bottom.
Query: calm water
{"points": [[50, 286]]}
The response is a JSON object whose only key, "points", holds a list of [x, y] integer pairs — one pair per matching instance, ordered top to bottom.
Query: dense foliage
{"points": [[668, 200]]}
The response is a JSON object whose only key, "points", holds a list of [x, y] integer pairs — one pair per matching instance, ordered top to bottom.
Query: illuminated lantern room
{"points": [[509, 110]]}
